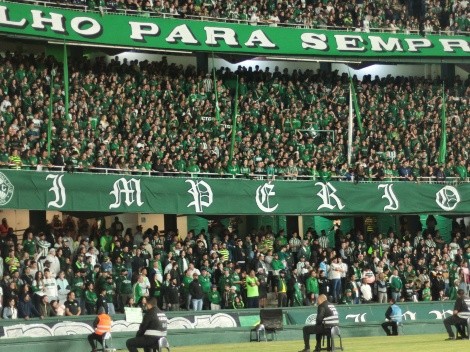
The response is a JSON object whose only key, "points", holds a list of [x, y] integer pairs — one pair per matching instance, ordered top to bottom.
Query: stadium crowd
{"points": [[361, 15], [154, 116], [74, 268]]}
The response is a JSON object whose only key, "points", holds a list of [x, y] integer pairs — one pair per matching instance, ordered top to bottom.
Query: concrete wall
{"points": [[17, 219]]}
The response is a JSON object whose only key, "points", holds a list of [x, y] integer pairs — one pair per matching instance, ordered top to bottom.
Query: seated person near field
{"points": [[461, 305], [327, 317], [394, 317], [102, 325], [152, 328]]}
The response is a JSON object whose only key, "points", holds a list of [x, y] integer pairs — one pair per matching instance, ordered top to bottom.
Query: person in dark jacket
{"points": [[172, 294], [197, 295], [102, 302], [461, 305], [44, 307], [26, 308], [327, 316], [153, 327]]}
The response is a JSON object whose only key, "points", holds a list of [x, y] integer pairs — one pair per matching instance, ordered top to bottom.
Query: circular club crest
{"points": [[6, 189], [448, 198], [311, 319]]}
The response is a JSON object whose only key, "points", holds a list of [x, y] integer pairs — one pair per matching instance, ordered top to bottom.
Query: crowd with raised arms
{"points": [[141, 117], [76, 267]]}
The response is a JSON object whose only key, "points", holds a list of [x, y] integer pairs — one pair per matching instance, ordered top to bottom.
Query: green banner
{"points": [[192, 35], [179, 195], [375, 313]]}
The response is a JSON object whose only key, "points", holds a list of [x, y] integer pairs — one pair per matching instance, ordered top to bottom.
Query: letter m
{"points": [[128, 191]]}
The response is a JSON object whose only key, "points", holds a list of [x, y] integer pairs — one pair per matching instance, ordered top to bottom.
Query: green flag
{"points": [[66, 81], [356, 105], [217, 108], [51, 113], [234, 122], [443, 145]]}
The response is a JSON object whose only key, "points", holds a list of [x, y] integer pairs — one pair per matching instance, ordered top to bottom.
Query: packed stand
{"points": [[360, 15], [141, 117], [75, 269]]}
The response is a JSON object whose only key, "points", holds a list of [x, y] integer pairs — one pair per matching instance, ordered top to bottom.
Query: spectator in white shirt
{"points": [[366, 292]]}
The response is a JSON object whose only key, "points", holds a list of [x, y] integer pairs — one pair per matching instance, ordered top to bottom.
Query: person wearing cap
{"points": [[277, 265], [235, 279], [78, 288], [110, 288], [123, 288], [282, 289], [196, 293], [347, 297], [214, 298], [102, 325], [153, 327]]}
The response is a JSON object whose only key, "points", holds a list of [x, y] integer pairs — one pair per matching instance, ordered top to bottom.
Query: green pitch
{"points": [[406, 343]]}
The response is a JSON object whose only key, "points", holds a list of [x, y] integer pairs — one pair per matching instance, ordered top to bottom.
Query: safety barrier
{"points": [[195, 328]]}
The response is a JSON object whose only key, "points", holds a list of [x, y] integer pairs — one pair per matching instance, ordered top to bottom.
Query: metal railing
{"points": [[144, 13], [223, 175]]}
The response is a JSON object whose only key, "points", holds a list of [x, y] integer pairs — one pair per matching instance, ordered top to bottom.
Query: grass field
{"points": [[406, 343]]}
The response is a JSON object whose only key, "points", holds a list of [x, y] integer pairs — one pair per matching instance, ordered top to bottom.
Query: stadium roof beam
{"points": [[101, 46], [313, 59]]}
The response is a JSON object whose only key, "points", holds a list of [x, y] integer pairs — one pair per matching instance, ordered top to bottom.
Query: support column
{"points": [[202, 62], [325, 67], [448, 72]]}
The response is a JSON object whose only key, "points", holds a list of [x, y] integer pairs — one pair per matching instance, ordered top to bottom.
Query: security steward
{"points": [[461, 306], [327, 317], [394, 317], [102, 325], [152, 328]]}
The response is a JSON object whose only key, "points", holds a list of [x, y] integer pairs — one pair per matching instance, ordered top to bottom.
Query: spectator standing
{"points": [[252, 291]]}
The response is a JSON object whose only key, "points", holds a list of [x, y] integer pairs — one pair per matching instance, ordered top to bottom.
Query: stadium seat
{"points": [[466, 315], [271, 321], [401, 328], [330, 339], [107, 343], [162, 343]]}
